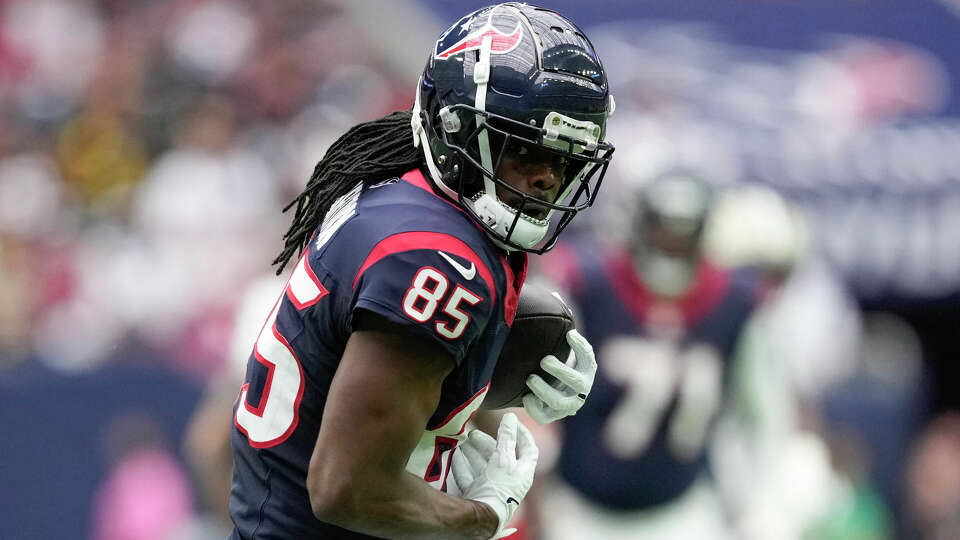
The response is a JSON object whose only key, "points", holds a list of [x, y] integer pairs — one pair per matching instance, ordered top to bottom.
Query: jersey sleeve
{"points": [[445, 296]]}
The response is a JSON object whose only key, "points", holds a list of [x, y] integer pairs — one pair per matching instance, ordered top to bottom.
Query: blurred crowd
{"points": [[146, 152]]}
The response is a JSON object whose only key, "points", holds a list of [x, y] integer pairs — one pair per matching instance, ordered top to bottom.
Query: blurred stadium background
{"points": [[146, 149]]}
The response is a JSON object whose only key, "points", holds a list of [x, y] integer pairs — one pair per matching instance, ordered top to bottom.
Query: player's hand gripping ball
{"points": [[529, 373]]}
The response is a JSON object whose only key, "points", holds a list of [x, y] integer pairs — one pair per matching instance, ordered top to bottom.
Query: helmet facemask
{"points": [[470, 147]]}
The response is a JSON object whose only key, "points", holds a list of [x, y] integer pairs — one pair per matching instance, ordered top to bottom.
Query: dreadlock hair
{"points": [[369, 152]]}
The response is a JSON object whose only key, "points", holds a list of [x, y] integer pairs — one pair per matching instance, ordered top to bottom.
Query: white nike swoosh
{"points": [[467, 273]]}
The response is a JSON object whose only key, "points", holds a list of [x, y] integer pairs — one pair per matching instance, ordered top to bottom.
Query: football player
{"points": [[413, 250], [665, 322]]}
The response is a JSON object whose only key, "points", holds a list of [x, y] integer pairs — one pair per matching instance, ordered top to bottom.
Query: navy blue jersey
{"points": [[397, 249], [662, 367]]}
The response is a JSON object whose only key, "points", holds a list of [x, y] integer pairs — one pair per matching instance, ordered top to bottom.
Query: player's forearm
{"points": [[409, 510]]}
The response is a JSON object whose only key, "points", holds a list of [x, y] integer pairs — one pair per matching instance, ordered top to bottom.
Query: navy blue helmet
{"points": [[522, 82]]}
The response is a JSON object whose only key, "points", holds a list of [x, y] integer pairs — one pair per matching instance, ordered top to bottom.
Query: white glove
{"points": [[550, 403], [469, 460], [501, 470]]}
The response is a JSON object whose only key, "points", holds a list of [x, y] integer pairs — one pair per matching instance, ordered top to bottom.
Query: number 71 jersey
{"points": [[398, 250], [663, 367]]}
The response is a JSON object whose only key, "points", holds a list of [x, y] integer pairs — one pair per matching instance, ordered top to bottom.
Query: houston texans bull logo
{"points": [[501, 42]]}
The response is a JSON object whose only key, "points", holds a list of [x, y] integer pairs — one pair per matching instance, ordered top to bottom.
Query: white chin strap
{"points": [[499, 217]]}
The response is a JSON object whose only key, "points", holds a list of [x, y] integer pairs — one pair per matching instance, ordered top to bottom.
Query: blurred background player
{"points": [[665, 322], [669, 325], [207, 440], [775, 475]]}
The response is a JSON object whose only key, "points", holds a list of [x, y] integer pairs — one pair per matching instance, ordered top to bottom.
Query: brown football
{"points": [[539, 328]]}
